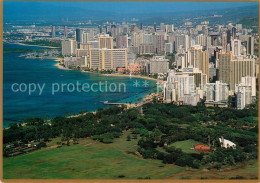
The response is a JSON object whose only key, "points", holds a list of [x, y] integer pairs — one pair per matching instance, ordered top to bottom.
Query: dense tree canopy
{"points": [[159, 126]]}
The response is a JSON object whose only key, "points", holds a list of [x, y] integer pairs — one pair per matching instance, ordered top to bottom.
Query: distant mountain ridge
{"points": [[43, 12]]}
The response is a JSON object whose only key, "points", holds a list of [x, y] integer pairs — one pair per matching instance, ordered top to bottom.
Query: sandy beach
{"points": [[59, 60], [60, 66], [115, 74]]}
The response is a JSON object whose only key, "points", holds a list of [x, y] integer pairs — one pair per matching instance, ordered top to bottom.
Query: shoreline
{"points": [[36, 45], [59, 60], [58, 64], [114, 74], [133, 76], [146, 97]]}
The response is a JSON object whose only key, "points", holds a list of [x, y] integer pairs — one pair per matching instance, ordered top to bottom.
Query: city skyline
{"points": [[131, 90]]}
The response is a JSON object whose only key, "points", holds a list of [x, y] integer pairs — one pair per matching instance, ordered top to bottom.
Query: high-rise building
{"points": [[141, 26], [154, 26], [132, 27], [162, 27], [170, 28], [100, 29], [113, 30], [205, 30], [53, 31], [65, 31], [234, 31], [79, 33], [228, 37], [84, 38], [137, 38], [147, 38], [214, 38], [200, 40], [105, 41], [122, 41], [182, 41], [224, 41], [208, 42], [160, 43], [187, 43], [250, 45], [69, 47], [236, 47], [146, 48], [168, 48], [94, 57], [197, 58], [106, 59], [181, 60], [158, 64], [223, 67], [239, 68], [231, 70], [200, 79], [250, 81], [178, 85], [217, 92], [245, 92], [243, 96]]}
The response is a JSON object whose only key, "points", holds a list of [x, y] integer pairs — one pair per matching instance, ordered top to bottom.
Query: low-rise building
{"points": [[75, 62], [191, 99]]}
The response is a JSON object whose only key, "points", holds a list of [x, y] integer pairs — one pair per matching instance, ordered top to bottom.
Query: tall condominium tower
{"points": [[154, 26], [53, 31], [65, 31], [79, 33], [105, 41], [250, 45], [69, 47], [236, 47], [197, 58], [223, 66], [239, 68]]}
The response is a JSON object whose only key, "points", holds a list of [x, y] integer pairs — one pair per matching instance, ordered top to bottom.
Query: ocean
{"points": [[22, 72]]}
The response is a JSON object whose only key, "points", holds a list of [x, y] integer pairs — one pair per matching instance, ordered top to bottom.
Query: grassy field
{"points": [[186, 145], [88, 160], [94, 160], [247, 171]]}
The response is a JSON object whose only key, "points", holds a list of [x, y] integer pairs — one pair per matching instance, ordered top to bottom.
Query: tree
{"points": [[134, 136], [128, 138], [107, 140]]}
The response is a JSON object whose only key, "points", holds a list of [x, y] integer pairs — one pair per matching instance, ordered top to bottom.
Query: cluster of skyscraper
{"points": [[97, 54], [222, 55], [212, 62]]}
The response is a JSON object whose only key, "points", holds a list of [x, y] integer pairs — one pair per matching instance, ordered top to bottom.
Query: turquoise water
{"points": [[19, 106]]}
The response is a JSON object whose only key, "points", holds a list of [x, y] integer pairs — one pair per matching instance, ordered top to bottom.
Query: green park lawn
{"points": [[186, 145], [87, 160]]}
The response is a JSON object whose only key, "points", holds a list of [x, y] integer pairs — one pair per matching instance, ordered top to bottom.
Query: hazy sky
{"points": [[130, 7], [46, 10]]}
